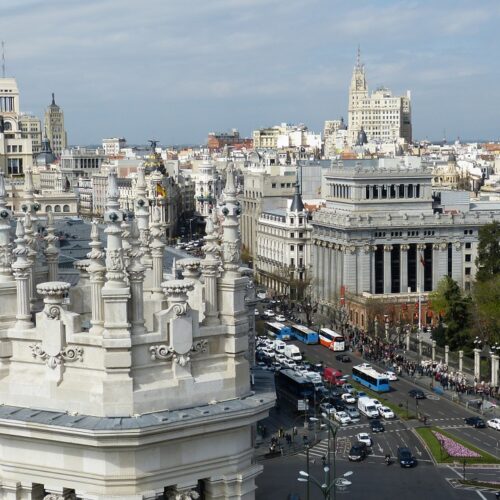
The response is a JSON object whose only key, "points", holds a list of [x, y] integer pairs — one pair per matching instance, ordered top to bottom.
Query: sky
{"points": [[175, 70]]}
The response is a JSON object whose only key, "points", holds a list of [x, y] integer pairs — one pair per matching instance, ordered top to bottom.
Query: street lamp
{"points": [[326, 487]]}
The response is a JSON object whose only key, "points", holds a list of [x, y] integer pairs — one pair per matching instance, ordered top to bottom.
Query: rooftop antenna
{"points": [[358, 58], [3, 59]]}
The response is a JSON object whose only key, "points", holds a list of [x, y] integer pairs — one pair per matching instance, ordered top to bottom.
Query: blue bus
{"points": [[278, 330], [304, 334], [366, 375]]}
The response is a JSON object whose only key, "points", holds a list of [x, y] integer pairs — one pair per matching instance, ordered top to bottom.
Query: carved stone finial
{"points": [[190, 267], [176, 292], [53, 293]]}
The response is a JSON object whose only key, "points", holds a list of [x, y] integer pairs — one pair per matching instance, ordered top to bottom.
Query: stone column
{"points": [[142, 215], [231, 242], [5, 245], [157, 246], [51, 251], [32, 254], [457, 263], [436, 264], [210, 266], [420, 267], [21, 268], [350, 268], [372, 268], [387, 268], [403, 270], [96, 271], [364, 271], [136, 273], [407, 339], [420, 347], [433, 350], [446, 354], [460, 361], [477, 364], [494, 370]]}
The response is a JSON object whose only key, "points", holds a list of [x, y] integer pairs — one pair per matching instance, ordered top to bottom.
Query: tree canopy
{"points": [[488, 252]]}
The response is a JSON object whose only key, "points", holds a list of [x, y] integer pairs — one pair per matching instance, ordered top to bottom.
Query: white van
{"points": [[279, 346], [292, 352], [366, 407]]}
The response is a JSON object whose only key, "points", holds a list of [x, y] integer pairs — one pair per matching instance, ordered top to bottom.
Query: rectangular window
{"points": [[273, 185], [292, 235], [468, 245], [301, 247], [292, 248], [468, 258], [292, 262], [467, 271]]}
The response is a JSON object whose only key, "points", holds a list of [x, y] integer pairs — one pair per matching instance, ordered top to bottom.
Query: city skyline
{"points": [[178, 72]]}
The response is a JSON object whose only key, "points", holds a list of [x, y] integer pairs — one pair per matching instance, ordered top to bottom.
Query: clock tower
{"points": [[358, 91]]}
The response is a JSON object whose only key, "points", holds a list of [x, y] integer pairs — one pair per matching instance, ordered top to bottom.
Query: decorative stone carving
{"points": [[457, 245], [404, 247], [388, 248], [82, 265], [190, 267], [176, 292], [53, 293], [165, 352], [68, 354], [182, 494]]}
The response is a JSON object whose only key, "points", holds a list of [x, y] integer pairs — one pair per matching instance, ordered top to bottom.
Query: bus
{"points": [[278, 330], [304, 334], [333, 340], [366, 375], [292, 388]]}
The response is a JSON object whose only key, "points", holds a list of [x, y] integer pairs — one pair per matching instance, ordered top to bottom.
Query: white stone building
{"points": [[383, 117], [113, 145], [208, 185], [284, 246], [152, 401]]}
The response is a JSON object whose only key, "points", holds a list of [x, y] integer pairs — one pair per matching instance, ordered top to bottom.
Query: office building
{"points": [[54, 128]]}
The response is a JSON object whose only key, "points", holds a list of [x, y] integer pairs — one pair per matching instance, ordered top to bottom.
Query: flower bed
{"points": [[454, 449]]}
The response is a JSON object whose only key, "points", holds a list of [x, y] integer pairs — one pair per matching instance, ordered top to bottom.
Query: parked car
{"points": [[269, 313], [344, 358], [289, 363], [390, 375], [348, 388], [416, 393], [377, 404], [327, 408], [386, 412], [353, 413], [342, 417], [476, 422], [494, 423], [377, 426], [364, 437], [358, 452], [405, 457]]}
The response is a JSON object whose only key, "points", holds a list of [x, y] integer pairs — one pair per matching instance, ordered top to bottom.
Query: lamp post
{"points": [[326, 487]]}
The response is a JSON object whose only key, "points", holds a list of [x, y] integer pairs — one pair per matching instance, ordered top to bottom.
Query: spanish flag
{"points": [[160, 190]]}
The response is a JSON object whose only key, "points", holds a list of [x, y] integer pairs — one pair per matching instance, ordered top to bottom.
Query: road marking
{"points": [[380, 448], [419, 453], [456, 472], [481, 495]]}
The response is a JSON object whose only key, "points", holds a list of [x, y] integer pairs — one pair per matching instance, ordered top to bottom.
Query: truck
{"points": [[279, 346], [293, 352], [333, 376], [367, 408]]}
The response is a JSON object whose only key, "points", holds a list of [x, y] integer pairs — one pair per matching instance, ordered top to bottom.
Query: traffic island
{"points": [[448, 449]]}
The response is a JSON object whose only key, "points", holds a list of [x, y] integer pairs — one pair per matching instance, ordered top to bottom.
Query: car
{"points": [[256, 312], [269, 313], [280, 318], [280, 358], [344, 358], [289, 363], [390, 375], [348, 388], [361, 394], [416, 394], [348, 398], [377, 403], [327, 408], [386, 412], [353, 413], [342, 417], [476, 422], [494, 423], [377, 426], [364, 437], [357, 452], [405, 457]]}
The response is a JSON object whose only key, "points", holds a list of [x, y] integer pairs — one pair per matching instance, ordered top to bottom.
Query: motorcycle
{"points": [[388, 460]]}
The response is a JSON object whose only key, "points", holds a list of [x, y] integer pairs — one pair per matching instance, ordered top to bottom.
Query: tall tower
{"points": [[358, 91], [54, 127]]}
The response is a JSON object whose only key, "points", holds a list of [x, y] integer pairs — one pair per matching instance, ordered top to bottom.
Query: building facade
{"points": [[383, 117], [54, 127], [31, 128], [113, 146], [80, 162], [382, 237]]}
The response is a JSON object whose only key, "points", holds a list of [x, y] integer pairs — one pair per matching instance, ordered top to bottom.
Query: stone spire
{"points": [[29, 205], [142, 215], [231, 243], [31, 244], [5, 245], [157, 246], [51, 251], [114, 253], [21, 268], [97, 269], [136, 273]]}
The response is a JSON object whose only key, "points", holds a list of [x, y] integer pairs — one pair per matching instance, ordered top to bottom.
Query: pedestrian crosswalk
{"points": [[321, 449]]}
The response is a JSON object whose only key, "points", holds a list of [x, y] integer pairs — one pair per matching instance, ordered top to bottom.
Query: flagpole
{"points": [[419, 310]]}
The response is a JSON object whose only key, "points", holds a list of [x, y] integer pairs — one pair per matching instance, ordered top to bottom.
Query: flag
{"points": [[160, 190], [422, 260]]}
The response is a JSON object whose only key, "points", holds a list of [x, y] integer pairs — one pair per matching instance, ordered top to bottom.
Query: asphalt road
{"points": [[441, 411]]}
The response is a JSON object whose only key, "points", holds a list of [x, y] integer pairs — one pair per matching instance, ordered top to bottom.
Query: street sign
{"points": [[301, 405]]}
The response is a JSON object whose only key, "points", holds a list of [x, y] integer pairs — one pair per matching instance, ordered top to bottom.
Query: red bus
{"points": [[333, 340]]}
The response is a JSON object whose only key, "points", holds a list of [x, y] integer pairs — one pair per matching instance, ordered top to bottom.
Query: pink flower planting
{"points": [[453, 448]]}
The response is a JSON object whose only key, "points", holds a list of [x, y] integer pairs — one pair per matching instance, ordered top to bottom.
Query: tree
{"points": [[488, 252], [486, 300], [453, 307]]}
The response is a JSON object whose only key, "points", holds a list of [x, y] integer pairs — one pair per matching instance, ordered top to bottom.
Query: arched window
{"points": [[48, 208], [57, 208], [66, 208]]}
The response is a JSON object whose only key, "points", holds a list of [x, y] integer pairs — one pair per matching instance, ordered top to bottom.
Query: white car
{"points": [[269, 313], [280, 318], [280, 358], [289, 363], [390, 375], [348, 398], [377, 404], [327, 408], [386, 412], [342, 417], [494, 423], [363, 437]]}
